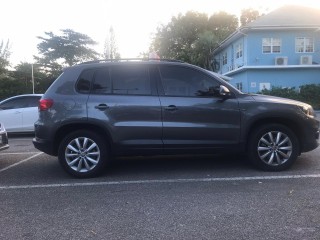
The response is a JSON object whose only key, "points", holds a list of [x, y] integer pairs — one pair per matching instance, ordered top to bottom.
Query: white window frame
{"points": [[273, 44], [304, 44], [239, 50], [239, 86]]}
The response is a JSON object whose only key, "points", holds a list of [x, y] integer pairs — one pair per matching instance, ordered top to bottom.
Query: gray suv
{"points": [[97, 110]]}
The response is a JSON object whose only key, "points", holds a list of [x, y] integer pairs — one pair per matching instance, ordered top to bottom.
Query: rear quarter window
{"points": [[122, 80], [84, 82]]}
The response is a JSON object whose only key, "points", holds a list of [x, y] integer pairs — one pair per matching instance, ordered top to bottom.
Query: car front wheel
{"points": [[273, 147], [83, 154]]}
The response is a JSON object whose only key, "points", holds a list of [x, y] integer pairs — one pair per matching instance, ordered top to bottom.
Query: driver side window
{"points": [[187, 82]]}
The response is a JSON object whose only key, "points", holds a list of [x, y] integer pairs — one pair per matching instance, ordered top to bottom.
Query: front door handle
{"points": [[102, 107], [171, 108]]}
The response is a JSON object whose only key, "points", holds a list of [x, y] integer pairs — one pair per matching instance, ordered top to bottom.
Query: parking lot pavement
{"points": [[23, 158], [186, 197]]}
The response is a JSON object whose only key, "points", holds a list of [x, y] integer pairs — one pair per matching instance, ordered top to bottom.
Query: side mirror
{"points": [[224, 91]]}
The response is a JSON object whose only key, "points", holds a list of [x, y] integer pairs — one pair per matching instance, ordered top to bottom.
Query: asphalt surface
{"points": [[186, 197]]}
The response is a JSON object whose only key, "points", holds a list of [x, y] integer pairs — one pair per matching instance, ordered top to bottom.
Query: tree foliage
{"points": [[248, 15], [223, 24], [193, 36], [175, 40], [110, 46], [203, 48], [67, 49], [4, 57], [23, 73], [19, 81], [10, 87]]}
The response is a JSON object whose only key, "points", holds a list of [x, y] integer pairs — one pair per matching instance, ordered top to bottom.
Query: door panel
{"points": [[123, 99], [194, 113], [30, 116], [12, 119], [133, 121], [196, 122]]}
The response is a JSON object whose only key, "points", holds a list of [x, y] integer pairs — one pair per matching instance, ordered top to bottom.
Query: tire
{"points": [[273, 147], [83, 154]]}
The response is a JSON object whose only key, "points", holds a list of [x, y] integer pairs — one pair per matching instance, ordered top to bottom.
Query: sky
{"points": [[134, 22]]}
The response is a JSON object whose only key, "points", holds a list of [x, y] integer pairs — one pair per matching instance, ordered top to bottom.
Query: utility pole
{"points": [[32, 78]]}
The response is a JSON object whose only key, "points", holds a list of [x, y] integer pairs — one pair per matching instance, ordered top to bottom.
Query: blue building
{"points": [[279, 49]]}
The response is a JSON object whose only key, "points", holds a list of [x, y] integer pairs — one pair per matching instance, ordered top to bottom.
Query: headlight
{"points": [[308, 110]]}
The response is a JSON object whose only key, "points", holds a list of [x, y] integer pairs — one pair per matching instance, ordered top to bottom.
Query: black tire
{"points": [[273, 147], [83, 154]]}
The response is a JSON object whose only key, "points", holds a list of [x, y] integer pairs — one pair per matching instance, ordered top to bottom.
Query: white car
{"points": [[19, 113]]}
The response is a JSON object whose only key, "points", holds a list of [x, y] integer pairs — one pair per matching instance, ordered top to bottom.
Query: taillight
{"points": [[45, 104]]}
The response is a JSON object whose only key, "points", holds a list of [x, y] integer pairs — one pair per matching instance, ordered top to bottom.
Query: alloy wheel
{"points": [[274, 148], [82, 154]]}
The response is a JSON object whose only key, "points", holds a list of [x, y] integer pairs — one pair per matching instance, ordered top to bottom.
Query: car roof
{"points": [[127, 61], [22, 95]]}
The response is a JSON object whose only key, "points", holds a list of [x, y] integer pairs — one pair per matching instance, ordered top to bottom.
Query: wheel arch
{"points": [[291, 124], [72, 127]]}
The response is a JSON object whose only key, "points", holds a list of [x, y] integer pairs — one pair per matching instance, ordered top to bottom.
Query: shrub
{"points": [[309, 93]]}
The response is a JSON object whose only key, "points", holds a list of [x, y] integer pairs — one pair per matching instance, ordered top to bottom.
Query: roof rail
{"points": [[131, 60]]}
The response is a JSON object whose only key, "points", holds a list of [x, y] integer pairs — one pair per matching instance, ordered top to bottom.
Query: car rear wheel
{"points": [[273, 147], [83, 154]]}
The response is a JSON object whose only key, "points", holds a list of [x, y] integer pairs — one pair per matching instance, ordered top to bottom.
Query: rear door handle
{"points": [[102, 107], [171, 108]]}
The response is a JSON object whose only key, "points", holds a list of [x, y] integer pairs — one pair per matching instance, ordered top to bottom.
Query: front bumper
{"points": [[311, 137]]}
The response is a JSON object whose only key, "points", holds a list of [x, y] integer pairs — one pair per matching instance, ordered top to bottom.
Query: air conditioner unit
{"points": [[281, 60], [306, 60]]}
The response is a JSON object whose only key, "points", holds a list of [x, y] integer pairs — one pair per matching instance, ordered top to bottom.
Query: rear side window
{"points": [[125, 80], [131, 80], [84, 82], [102, 82], [187, 82], [32, 101], [21, 102], [14, 104]]}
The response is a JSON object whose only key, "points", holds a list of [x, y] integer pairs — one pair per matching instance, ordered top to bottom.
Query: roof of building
{"points": [[289, 16], [286, 17]]}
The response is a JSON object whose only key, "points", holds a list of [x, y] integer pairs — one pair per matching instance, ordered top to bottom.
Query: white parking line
{"points": [[20, 139], [17, 153], [22, 161], [185, 180]]}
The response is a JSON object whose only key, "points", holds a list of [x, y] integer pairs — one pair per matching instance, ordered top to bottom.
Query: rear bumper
{"points": [[43, 145]]}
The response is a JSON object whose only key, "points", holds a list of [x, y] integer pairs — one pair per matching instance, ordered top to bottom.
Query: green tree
{"points": [[248, 15], [222, 24], [193, 36], [176, 39], [110, 46], [203, 48], [57, 51], [4, 58], [23, 74], [10, 87]]}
